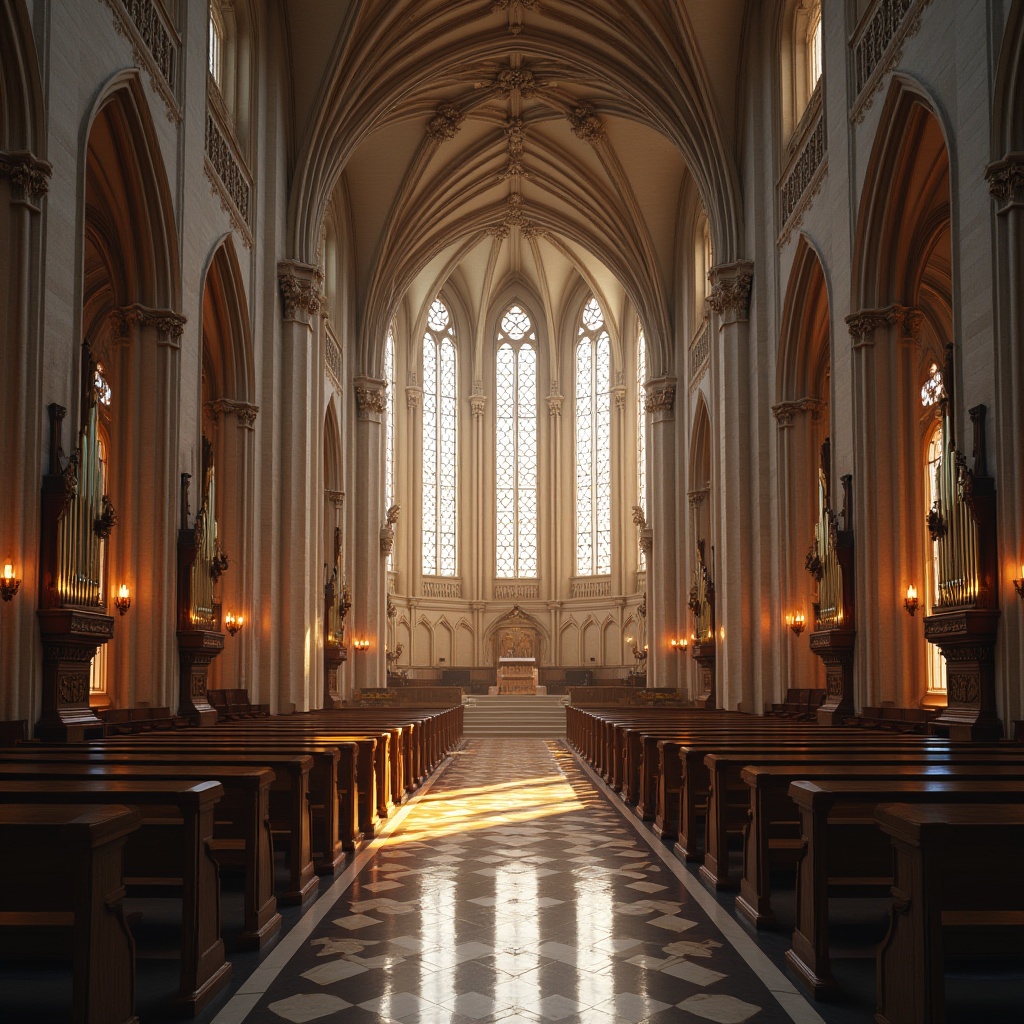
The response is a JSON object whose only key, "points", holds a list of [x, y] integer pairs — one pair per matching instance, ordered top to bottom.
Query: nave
{"points": [[511, 890]]}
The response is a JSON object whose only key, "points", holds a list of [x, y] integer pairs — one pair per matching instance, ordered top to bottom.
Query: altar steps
{"points": [[515, 715]]}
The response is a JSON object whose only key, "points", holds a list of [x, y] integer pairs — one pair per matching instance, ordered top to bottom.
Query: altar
{"points": [[517, 675]]}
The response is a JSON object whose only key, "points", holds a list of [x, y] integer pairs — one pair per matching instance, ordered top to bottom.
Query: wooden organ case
{"points": [[77, 519], [201, 562], [830, 562], [702, 604], [965, 613]]}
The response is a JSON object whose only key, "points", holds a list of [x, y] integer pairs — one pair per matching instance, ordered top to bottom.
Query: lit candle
{"points": [[8, 571]]}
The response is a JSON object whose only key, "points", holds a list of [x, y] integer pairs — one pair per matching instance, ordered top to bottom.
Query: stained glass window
{"points": [[102, 386], [933, 390], [641, 433], [389, 442], [440, 444], [593, 444], [515, 451]]}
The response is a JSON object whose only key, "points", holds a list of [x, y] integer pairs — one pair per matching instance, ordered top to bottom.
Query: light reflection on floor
{"points": [[513, 893]]}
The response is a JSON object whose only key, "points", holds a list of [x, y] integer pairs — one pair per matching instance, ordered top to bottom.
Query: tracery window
{"points": [[515, 404], [641, 434], [389, 441], [440, 444], [593, 444]]}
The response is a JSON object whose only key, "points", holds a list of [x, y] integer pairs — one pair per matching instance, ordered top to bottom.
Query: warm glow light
{"points": [[8, 571], [10, 583], [1018, 584], [123, 601], [910, 603], [796, 622], [233, 623]]}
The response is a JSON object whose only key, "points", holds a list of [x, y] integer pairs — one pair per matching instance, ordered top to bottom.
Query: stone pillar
{"points": [[22, 417], [798, 458], [298, 481], [888, 505], [734, 532], [370, 541], [556, 566], [662, 584]]}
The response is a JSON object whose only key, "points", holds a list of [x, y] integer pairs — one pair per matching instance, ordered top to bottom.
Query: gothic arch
{"points": [[1007, 109], [22, 110], [225, 326], [805, 338]]}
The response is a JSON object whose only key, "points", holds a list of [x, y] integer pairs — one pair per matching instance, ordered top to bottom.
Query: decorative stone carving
{"points": [[515, 10], [520, 80], [445, 123], [585, 123], [515, 133], [806, 168], [227, 174], [29, 177], [1006, 179], [300, 290], [730, 290], [166, 322], [864, 324], [413, 394], [619, 394], [660, 396], [371, 397], [477, 403], [555, 405], [245, 412], [785, 412], [336, 498], [697, 498]]}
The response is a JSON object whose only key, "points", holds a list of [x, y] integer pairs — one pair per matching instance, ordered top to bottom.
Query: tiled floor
{"points": [[512, 892]]}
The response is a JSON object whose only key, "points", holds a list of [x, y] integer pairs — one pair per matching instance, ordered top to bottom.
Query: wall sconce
{"points": [[9, 583], [1018, 585], [123, 601], [910, 602], [796, 622], [233, 623], [679, 644], [361, 645]]}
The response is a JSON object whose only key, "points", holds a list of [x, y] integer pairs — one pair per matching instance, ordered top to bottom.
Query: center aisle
{"points": [[511, 891]]}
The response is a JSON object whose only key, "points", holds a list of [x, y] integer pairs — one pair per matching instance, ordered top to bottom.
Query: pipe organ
{"points": [[77, 519], [830, 562], [201, 563], [702, 604], [336, 606], [964, 616]]}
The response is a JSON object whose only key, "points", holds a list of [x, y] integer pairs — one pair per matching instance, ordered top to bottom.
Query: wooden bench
{"points": [[242, 836], [171, 847], [843, 849], [61, 867], [932, 893]]}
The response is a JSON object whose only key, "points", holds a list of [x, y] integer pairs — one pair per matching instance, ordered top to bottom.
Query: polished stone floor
{"points": [[511, 890]]}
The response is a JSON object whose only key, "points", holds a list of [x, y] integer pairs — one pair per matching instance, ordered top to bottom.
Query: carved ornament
{"points": [[515, 10], [520, 80], [445, 123], [585, 123], [28, 176], [1006, 179], [731, 285], [300, 290], [863, 324], [413, 394], [660, 396], [371, 397], [477, 403], [555, 405], [244, 411], [785, 412], [336, 498], [697, 498], [72, 688]]}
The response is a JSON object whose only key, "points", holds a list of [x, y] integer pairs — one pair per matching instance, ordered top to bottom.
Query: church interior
{"points": [[516, 511]]}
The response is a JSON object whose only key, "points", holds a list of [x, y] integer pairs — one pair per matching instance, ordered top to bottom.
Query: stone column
{"points": [[22, 418], [888, 476], [298, 481], [798, 503], [734, 532], [370, 540], [556, 566], [662, 613]]}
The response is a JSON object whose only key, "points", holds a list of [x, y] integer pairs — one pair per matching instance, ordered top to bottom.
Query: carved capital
{"points": [[445, 123], [585, 123], [29, 177], [1006, 180], [300, 290], [730, 290], [168, 324], [863, 325], [413, 394], [619, 394], [661, 397], [371, 398], [477, 403], [555, 405], [245, 412], [785, 412], [336, 498], [696, 498], [387, 539], [647, 542]]}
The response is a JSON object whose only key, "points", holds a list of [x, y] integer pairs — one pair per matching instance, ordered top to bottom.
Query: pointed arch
{"points": [[1007, 109], [22, 110], [227, 336], [805, 337], [700, 447]]}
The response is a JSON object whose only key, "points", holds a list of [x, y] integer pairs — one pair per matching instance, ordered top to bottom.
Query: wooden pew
{"points": [[729, 796], [241, 827], [172, 843], [842, 846], [61, 868], [932, 893]]}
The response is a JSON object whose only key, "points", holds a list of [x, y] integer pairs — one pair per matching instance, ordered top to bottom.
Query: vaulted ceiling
{"points": [[498, 147]]}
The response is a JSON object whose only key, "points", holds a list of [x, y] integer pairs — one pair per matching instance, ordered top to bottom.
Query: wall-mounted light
{"points": [[9, 582], [1018, 585], [123, 601], [910, 601], [796, 622], [233, 623], [679, 644], [361, 645]]}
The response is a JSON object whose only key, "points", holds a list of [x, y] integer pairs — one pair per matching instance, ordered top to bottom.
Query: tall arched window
{"points": [[813, 46], [932, 393], [515, 404], [641, 434], [389, 441], [440, 444], [593, 444]]}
